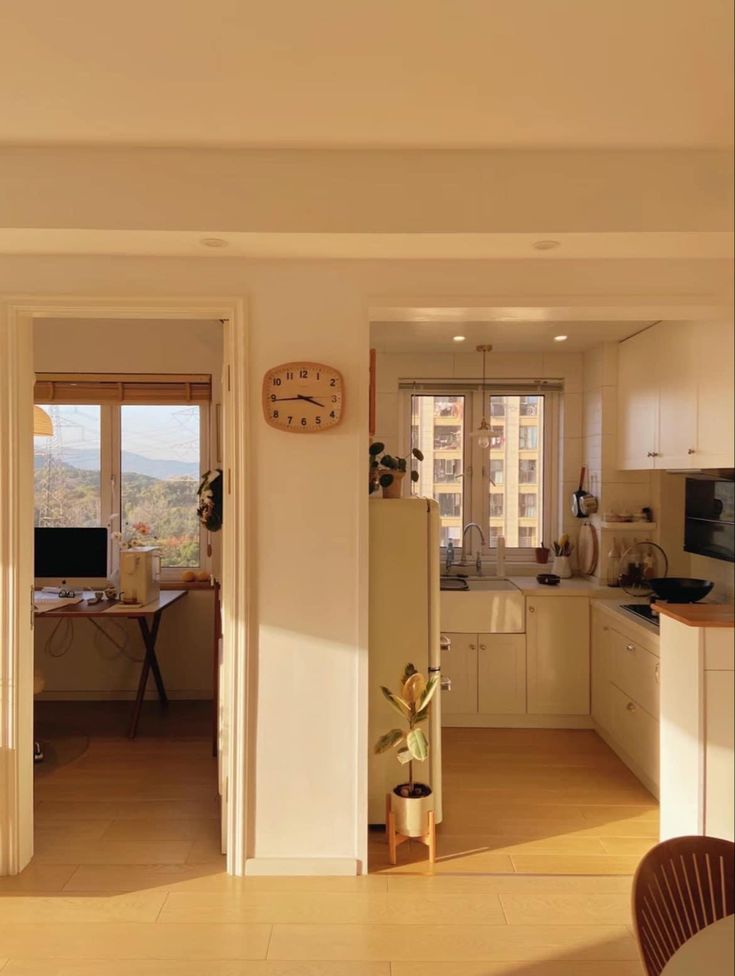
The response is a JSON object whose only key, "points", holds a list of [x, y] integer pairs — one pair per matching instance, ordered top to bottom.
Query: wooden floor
{"points": [[527, 801], [127, 880]]}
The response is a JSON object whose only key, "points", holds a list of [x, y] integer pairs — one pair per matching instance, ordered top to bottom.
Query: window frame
{"points": [[111, 476], [475, 478]]}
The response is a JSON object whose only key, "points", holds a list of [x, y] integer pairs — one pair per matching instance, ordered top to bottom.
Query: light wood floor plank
{"points": [[178, 967]]}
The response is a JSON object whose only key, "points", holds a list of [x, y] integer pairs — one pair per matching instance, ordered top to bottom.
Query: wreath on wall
{"points": [[209, 494]]}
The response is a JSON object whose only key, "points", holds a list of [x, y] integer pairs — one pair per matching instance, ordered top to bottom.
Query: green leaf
{"points": [[377, 448], [419, 455], [389, 462], [374, 464], [401, 464], [414, 476], [386, 480], [413, 688], [428, 694], [401, 707], [421, 715], [387, 741], [417, 744], [404, 756]]}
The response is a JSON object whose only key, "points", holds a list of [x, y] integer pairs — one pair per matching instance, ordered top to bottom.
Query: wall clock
{"points": [[303, 398]]}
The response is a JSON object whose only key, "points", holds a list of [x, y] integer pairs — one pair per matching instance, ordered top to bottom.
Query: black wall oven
{"points": [[709, 526]]}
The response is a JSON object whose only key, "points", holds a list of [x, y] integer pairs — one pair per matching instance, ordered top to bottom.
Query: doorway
{"points": [[83, 713]]}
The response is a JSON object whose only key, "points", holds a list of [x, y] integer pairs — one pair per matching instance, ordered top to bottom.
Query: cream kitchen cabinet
{"points": [[675, 397], [558, 658], [459, 665], [501, 674], [626, 676]]}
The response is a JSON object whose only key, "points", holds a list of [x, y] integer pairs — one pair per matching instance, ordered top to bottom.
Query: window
{"points": [[437, 428], [528, 437], [111, 463], [160, 466], [67, 468], [497, 468], [447, 470], [527, 471], [502, 487], [527, 501], [450, 504]]}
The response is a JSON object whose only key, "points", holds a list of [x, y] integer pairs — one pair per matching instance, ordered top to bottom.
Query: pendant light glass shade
{"points": [[42, 424], [482, 435]]}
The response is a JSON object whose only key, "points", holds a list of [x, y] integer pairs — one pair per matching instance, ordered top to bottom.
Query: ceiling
{"points": [[384, 73], [434, 337]]}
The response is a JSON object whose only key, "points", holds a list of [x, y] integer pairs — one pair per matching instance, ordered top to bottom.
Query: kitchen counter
{"points": [[576, 586], [699, 614]]}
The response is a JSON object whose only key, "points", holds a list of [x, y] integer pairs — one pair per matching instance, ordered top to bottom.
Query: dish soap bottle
{"points": [[613, 564]]}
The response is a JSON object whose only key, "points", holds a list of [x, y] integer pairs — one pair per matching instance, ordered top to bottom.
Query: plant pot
{"points": [[395, 488], [542, 554], [562, 567], [411, 813]]}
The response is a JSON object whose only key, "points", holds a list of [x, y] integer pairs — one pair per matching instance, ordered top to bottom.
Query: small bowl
{"points": [[548, 579]]}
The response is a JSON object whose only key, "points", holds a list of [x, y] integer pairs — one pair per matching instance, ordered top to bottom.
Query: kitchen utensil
{"points": [[578, 495], [588, 504], [587, 549], [639, 564], [548, 579], [680, 589]]}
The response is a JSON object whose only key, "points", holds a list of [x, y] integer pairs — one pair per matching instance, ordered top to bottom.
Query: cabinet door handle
{"points": [[691, 451], [532, 609], [445, 643], [472, 647], [483, 647], [630, 647], [658, 672], [445, 684], [630, 706]]}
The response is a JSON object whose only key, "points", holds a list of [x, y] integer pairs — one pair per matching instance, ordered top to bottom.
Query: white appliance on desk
{"points": [[140, 575], [404, 627]]}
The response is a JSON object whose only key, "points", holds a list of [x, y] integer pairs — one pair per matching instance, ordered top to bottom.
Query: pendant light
{"points": [[42, 424], [482, 435]]}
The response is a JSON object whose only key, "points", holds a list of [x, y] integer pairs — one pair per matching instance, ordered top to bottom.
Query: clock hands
{"points": [[299, 397]]}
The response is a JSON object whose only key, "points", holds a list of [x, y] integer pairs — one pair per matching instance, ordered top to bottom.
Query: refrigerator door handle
{"points": [[445, 643], [446, 684]]}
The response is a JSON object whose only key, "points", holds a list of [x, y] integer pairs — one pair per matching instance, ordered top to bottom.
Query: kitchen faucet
{"points": [[465, 530]]}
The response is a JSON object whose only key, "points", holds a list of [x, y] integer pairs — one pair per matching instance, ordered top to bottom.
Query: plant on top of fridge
{"points": [[382, 468], [412, 704]]}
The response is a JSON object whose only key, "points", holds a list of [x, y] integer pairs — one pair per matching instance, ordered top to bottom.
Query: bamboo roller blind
{"points": [[122, 388]]}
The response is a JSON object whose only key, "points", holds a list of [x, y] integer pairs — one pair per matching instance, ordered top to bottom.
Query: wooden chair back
{"points": [[681, 886]]}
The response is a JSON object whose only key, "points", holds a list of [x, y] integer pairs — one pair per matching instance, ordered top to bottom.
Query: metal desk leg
{"points": [[150, 663]]}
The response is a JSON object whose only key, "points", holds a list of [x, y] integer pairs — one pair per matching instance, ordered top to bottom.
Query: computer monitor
{"points": [[74, 556]]}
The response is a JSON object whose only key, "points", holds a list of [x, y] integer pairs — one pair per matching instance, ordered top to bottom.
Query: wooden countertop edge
{"points": [[186, 585], [698, 614]]}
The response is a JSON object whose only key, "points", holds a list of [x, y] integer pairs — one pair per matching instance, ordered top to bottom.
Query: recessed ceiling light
{"points": [[214, 242], [546, 245], [459, 338], [560, 338]]}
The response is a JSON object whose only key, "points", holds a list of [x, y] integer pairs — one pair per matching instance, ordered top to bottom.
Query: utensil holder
{"points": [[562, 567]]}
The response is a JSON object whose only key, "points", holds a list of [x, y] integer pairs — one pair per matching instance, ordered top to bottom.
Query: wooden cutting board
{"points": [[587, 549]]}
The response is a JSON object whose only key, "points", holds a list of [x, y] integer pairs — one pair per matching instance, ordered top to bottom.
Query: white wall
{"points": [[309, 494], [93, 668]]}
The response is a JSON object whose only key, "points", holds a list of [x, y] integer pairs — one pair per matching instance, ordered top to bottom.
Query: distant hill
{"points": [[160, 468]]}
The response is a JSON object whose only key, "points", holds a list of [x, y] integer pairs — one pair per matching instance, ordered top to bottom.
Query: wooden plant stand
{"points": [[395, 839]]}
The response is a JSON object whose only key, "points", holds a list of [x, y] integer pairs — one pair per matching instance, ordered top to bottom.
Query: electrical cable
{"points": [[66, 640], [121, 648]]}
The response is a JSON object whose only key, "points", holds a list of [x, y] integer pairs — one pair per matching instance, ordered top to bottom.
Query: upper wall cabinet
{"points": [[675, 397]]}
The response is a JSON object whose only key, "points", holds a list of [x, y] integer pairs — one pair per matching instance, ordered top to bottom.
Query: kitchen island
{"points": [[697, 709]]}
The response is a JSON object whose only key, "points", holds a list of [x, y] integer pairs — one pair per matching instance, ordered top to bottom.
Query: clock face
{"points": [[303, 398]]}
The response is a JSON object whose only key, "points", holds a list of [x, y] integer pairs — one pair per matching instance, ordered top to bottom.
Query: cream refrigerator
{"points": [[404, 627]]}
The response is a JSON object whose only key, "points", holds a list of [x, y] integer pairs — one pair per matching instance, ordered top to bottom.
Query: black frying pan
{"points": [[577, 496], [680, 589]]}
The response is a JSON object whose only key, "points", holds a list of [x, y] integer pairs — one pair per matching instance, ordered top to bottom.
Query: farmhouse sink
{"points": [[485, 606]]}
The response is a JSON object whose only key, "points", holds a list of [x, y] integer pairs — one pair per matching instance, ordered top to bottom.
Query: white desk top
{"points": [[709, 952]]}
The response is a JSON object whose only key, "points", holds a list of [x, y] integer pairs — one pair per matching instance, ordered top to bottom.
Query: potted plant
{"points": [[387, 472], [411, 801]]}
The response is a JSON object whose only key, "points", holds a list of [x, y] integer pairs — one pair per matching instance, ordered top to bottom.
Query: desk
{"points": [[149, 620], [709, 952]]}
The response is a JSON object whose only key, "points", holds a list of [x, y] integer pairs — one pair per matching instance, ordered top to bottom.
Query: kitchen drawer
{"points": [[634, 670], [636, 732]]}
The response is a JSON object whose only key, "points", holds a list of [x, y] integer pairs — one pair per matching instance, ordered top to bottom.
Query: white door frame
{"points": [[16, 547]]}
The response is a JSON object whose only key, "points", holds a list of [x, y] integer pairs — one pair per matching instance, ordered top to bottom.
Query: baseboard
{"points": [[111, 695], [517, 721], [632, 765], [302, 866]]}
